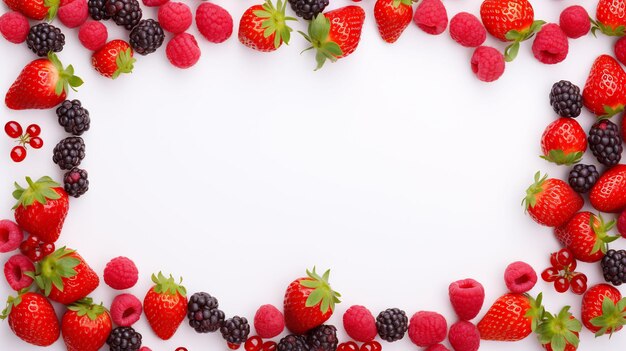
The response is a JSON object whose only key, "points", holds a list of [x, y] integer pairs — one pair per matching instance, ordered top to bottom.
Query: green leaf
{"points": [[511, 51], [314, 298]]}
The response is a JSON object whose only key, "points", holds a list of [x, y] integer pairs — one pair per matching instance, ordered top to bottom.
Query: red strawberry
{"points": [[35, 9], [392, 18], [610, 18], [264, 27], [335, 34], [113, 59], [42, 84], [603, 94], [563, 142], [609, 192], [551, 202], [41, 208], [586, 235], [309, 302], [165, 306], [603, 310], [511, 318], [32, 319], [85, 326], [559, 332]]}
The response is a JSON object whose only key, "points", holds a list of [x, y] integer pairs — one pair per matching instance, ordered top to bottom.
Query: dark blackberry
{"points": [[308, 9], [97, 11], [126, 13], [147, 37], [44, 38], [566, 99], [73, 117], [605, 142], [69, 152], [583, 177], [76, 182], [614, 267], [203, 313], [392, 324], [235, 330], [323, 338], [124, 339], [293, 342]]}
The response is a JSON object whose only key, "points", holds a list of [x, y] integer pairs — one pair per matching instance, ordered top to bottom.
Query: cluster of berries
{"points": [[31, 137]]}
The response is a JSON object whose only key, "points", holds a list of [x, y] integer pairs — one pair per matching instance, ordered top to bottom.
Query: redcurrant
{"points": [[13, 129], [33, 130], [35, 143], [18, 154], [35, 249], [562, 259], [578, 283], [561, 284], [254, 343], [233, 346], [269, 346], [348, 346], [371, 346]]}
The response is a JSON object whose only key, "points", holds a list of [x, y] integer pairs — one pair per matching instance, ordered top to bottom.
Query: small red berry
{"points": [[13, 129], [33, 130], [36, 143], [18, 154], [563, 258], [550, 274], [578, 283], [561, 285], [253, 343], [233, 346], [269, 346], [348, 346], [371, 346]]}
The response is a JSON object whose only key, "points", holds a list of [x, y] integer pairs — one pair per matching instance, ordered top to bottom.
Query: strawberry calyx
{"points": [[396, 3], [53, 8], [275, 22], [618, 31], [518, 36], [319, 37], [125, 63], [67, 79], [611, 111], [559, 157], [533, 190], [41, 191], [601, 229], [53, 268], [168, 286], [322, 294], [12, 301], [86, 307], [536, 312], [613, 317], [559, 330]]}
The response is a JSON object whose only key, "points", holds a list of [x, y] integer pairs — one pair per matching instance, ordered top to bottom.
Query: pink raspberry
{"points": [[154, 3], [74, 13], [431, 16], [175, 17], [574, 21], [213, 22], [14, 27], [467, 30], [93, 35], [550, 45], [183, 50], [620, 51], [487, 63], [621, 221], [11, 236], [14, 270], [121, 273], [520, 277], [467, 297], [125, 310], [268, 322], [360, 324], [427, 328], [464, 336], [437, 347]]}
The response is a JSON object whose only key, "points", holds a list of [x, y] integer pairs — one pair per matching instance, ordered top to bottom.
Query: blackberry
{"points": [[308, 9], [97, 11], [126, 13], [147, 37], [44, 38], [565, 99], [73, 117], [605, 142], [69, 152], [583, 177], [76, 182], [614, 267], [203, 313], [392, 324], [235, 330], [323, 338], [124, 339], [293, 342]]}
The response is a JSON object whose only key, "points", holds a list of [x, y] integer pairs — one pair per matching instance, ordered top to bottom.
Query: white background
{"points": [[395, 167]]}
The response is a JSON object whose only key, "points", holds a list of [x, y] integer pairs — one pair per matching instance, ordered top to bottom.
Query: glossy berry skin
{"points": [[503, 16], [611, 17], [392, 18], [263, 27], [113, 59], [602, 93], [13, 129], [33, 130], [563, 142], [36, 143], [18, 153], [609, 192], [551, 202], [586, 236], [35, 249], [578, 283], [76, 286], [165, 306], [592, 307], [509, 318], [33, 319], [85, 328]]}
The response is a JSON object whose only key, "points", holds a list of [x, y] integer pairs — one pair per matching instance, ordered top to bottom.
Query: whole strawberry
{"points": [[35, 9], [392, 18], [610, 18], [264, 27], [113, 59], [42, 84], [603, 94], [564, 142], [609, 192], [551, 202], [41, 208], [586, 236], [309, 302], [165, 305], [603, 310], [512, 317], [32, 319], [85, 326], [559, 332]]}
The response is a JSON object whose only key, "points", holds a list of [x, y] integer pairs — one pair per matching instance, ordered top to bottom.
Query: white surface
{"points": [[395, 167]]}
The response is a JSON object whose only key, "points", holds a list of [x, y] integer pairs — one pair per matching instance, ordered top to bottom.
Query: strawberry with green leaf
{"points": [[35, 9], [392, 18], [610, 18], [264, 27], [113, 59], [603, 93], [563, 142], [550, 201], [586, 236], [165, 305], [603, 310], [512, 317], [32, 318], [85, 326], [559, 332]]}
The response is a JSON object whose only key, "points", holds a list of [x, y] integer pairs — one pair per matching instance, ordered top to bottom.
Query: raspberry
{"points": [[154, 3], [74, 13], [431, 16], [175, 17], [574, 21], [213, 22], [14, 27], [467, 30], [93, 35], [550, 45], [183, 50], [620, 50], [487, 63], [621, 224], [11, 236], [14, 270], [121, 273], [520, 277], [467, 297], [125, 310], [268, 322], [360, 324], [427, 328], [464, 336], [437, 347]]}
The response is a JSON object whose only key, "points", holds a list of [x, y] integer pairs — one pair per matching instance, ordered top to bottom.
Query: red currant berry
{"points": [[13, 129], [33, 130], [36, 143], [18, 154], [47, 249], [561, 259], [550, 274], [578, 283], [561, 285], [253, 343], [233, 346], [269, 346], [348, 346], [371, 346]]}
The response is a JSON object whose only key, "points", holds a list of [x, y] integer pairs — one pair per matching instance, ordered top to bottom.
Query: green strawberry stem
{"points": [[396, 3], [53, 8], [275, 21], [618, 31], [319, 37], [511, 51], [125, 63], [67, 79], [611, 111], [561, 158], [533, 190], [40, 191], [601, 230], [53, 268], [168, 286], [322, 293], [11, 302], [86, 307], [536, 313], [613, 316], [559, 330]]}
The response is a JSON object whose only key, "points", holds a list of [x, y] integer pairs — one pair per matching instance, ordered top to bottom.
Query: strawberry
{"points": [[35, 9], [392, 18], [610, 18], [264, 27], [335, 34], [113, 59], [42, 84], [603, 94], [563, 142], [609, 192], [551, 202], [41, 208], [586, 235], [309, 302], [165, 305], [603, 310], [511, 318], [32, 319], [85, 326], [559, 332]]}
